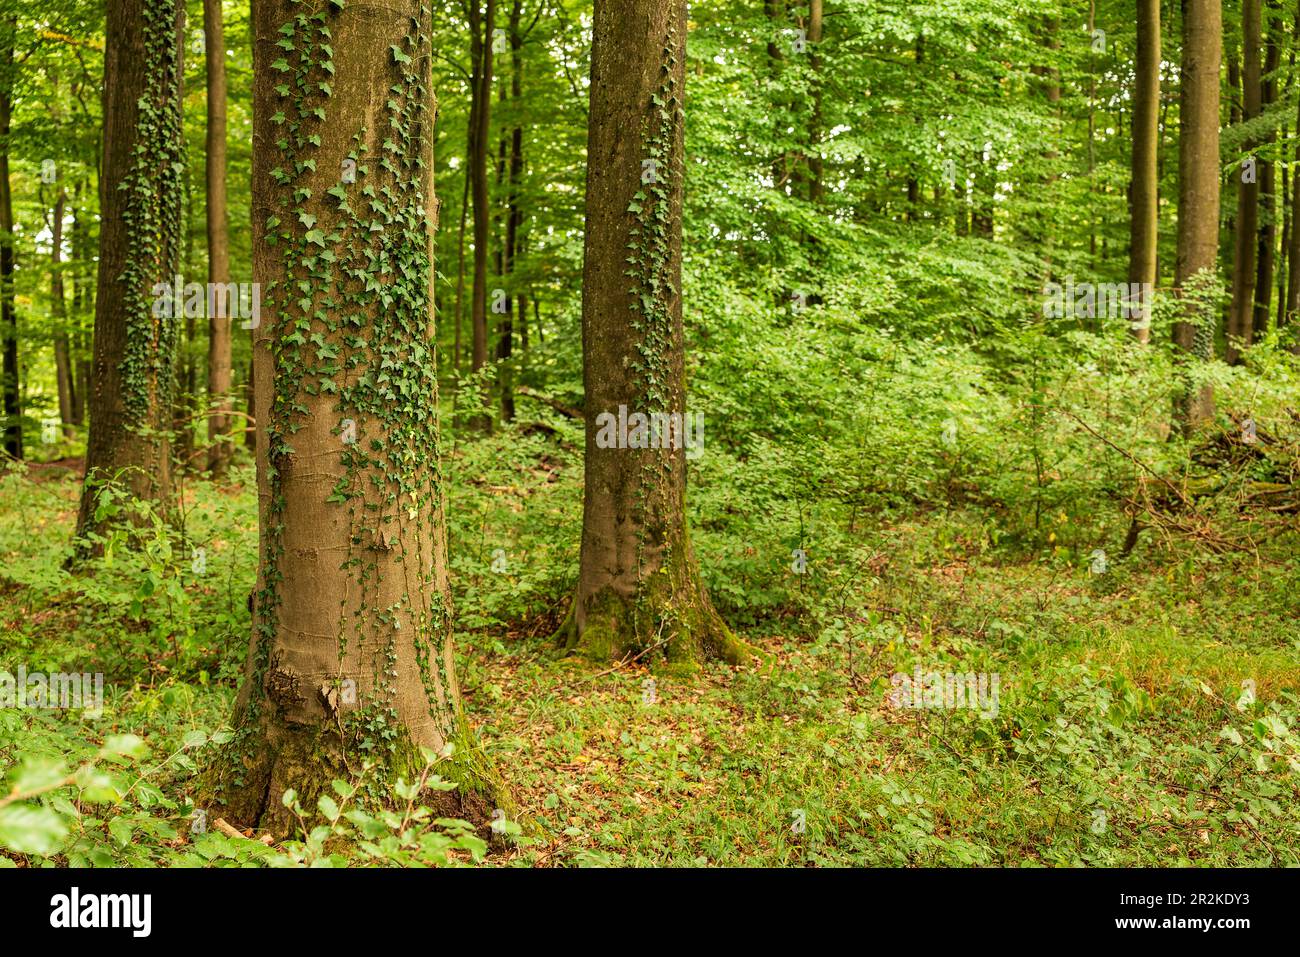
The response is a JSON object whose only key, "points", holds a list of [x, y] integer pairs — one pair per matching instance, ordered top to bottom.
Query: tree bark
{"points": [[480, 129], [816, 167], [1144, 192], [1198, 200], [514, 218], [1293, 252], [1265, 254], [80, 287], [59, 314], [1240, 315], [220, 329], [9, 372], [130, 403], [639, 586], [351, 641]]}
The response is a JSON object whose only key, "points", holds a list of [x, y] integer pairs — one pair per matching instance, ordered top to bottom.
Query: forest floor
{"points": [[1145, 716]]}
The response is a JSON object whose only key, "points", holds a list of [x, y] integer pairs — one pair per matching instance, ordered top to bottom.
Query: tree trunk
{"points": [[480, 129], [816, 167], [1198, 199], [514, 217], [1144, 217], [1267, 239], [139, 246], [1293, 252], [460, 271], [59, 314], [1240, 315], [219, 327], [80, 341], [13, 409], [639, 585], [351, 639]]}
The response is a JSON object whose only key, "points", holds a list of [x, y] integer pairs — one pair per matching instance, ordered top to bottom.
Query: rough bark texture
{"points": [[1144, 194], [1198, 196], [139, 243], [220, 401], [639, 585], [351, 654]]}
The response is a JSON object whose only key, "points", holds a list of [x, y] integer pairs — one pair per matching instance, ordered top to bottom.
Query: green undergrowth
{"points": [[1146, 713]]}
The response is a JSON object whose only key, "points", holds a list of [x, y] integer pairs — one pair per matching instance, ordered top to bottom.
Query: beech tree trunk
{"points": [[480, 127], [816, 168], [1144, 191], [1198, 200], [514, 218], [1293, 250], [1265, 254], [80, 304], [59, 313], [1240, 314], [9, 371], [130, 402], [220, 402], [639, 586], [351, 642]]}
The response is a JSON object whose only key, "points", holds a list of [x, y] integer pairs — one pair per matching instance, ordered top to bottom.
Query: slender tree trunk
{"points": [[776, 19], [1092, 140], [478, 159], [816, 167], [1198, 199], [514, 217], [1144, 217], [1267, 238], [139, 248], [1293, 253], [1283, 260], [460, 271], [80, 306], [59, 313], [1240, 321], [219, 327], [12, 384], [185, 397], [639, 585], [351, 639]]}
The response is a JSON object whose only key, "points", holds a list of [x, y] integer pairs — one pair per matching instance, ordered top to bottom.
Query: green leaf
{"points": [[30, 829]]}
